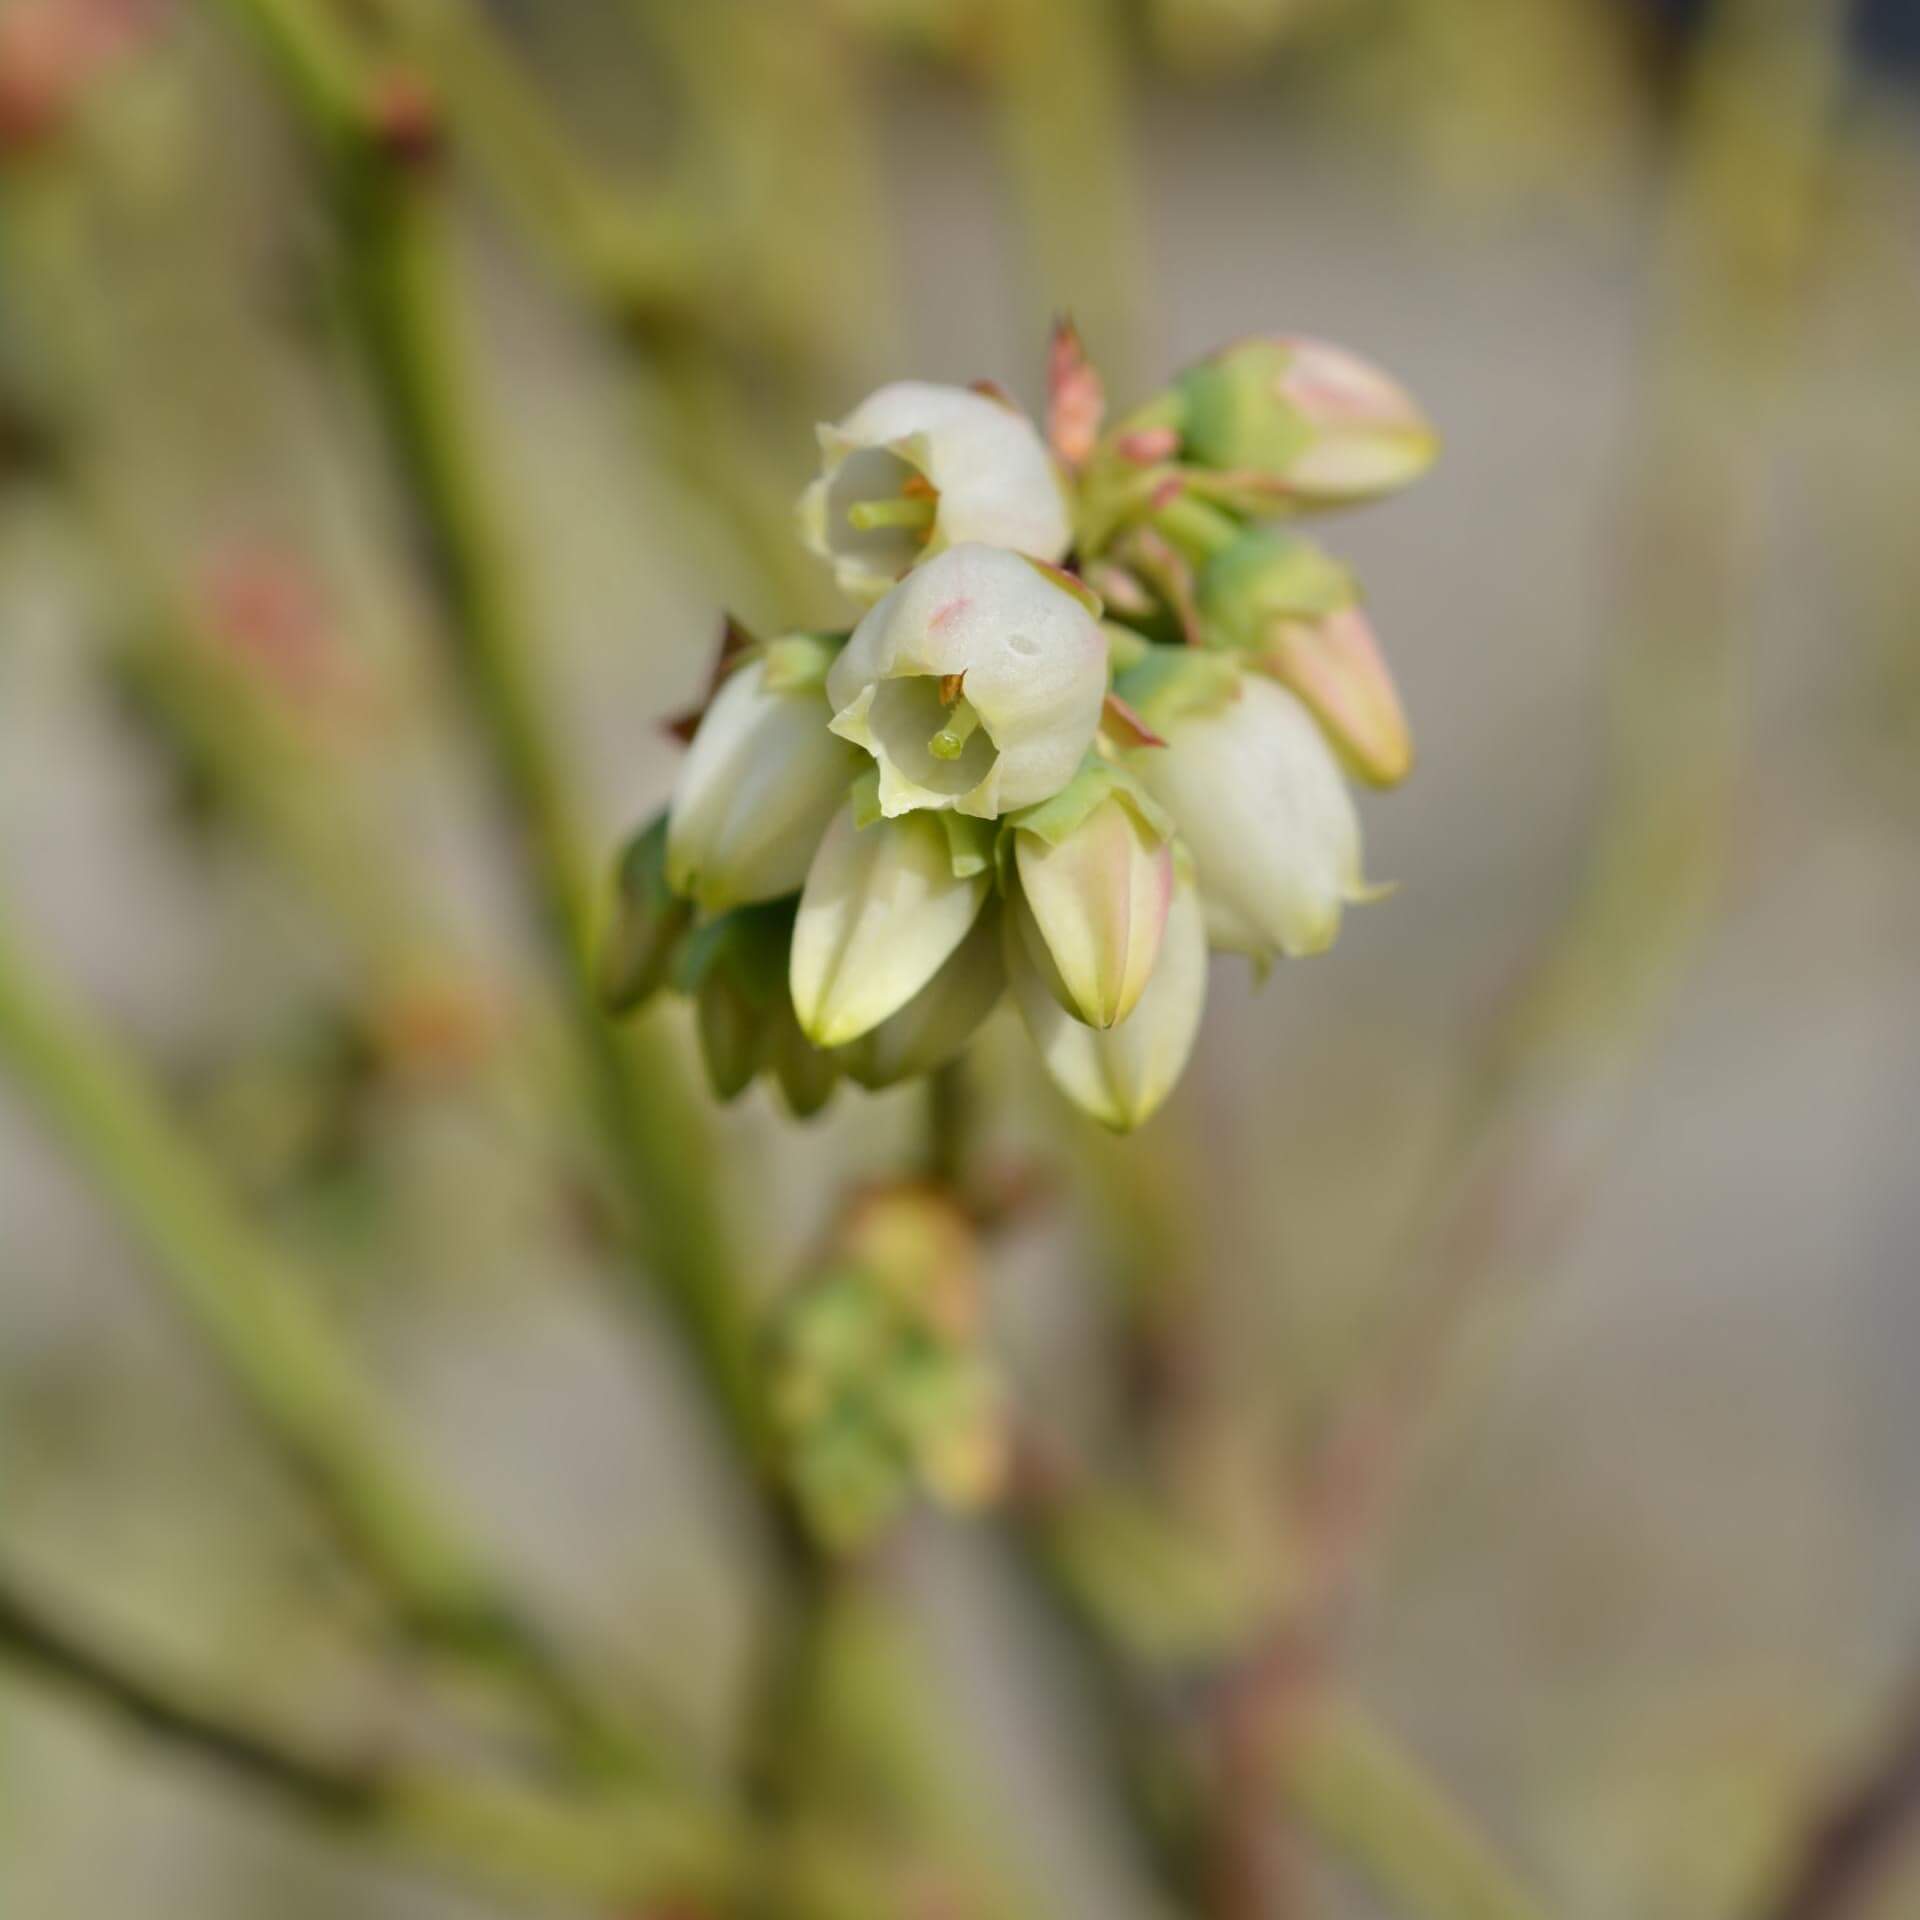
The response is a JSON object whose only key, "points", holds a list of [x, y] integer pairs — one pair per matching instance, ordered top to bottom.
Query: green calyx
{"points": [[1234, 412], [1269, 574], [1170, 684], [1097, 782], [969, 841]]}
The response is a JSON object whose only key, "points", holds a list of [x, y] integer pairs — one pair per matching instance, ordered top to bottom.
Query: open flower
{"points": [[917, 468], [976, 684], [758, 786], [1258, 797], [1095, 866], [886, 901], [1121, 1074]]}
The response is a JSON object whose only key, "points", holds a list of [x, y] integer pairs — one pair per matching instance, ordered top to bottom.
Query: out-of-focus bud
{"points": [[1305, 423], [918, 468], [1295, 613], [976, 684], [759, 784], [1257, 797], [1096, 875], [886, 901], [649, 922], [735, 970], [939, 1020], [806, 1075], [1120, 1075], [880, 1383]]}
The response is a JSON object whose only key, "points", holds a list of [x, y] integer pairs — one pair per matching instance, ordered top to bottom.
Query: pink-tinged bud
{"points": [[1076, 397], [1318, 425], [1293, 612], [1096, 878], [884, 906], [1120, 1075]]}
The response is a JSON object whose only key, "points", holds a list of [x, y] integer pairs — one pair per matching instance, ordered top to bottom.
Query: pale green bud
{"points": [[1311, 423], [917, 468], [1294, 612], [976, 684], [756, 790], [1258, 798], [1095, 865], [885, 903], [649, 922], [735, 970], [939, 1020], [1120, 1075]]}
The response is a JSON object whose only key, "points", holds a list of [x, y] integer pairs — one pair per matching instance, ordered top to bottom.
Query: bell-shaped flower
{"points": [[1307, 423], [917, 468], [1294, 612], [976, 684], [760, 782], [1257, 796], [1095, 866], [885, 903], [939, 1020], [1121, 1074]]}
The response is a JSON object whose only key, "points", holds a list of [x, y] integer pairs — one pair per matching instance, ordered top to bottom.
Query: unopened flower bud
{"points": [[1321, 425], [918, 468], [1294, 612], [976, 684], [758, 786], [1257, 796], [1096, 874], [885, 903], [649, 922], [735, 969], [939, 1020], [1120, 1075]]}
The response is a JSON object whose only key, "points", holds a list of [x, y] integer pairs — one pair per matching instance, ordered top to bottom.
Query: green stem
{"points": [[403, 287], [258, 1314], [480, 1829]]}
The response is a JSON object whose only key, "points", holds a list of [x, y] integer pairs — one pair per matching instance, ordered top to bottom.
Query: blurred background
{"points": [[1509, 1331]]}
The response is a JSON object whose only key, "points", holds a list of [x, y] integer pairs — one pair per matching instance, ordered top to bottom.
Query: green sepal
{"points": [[1234, 416], [1270, 573], [799, 662], [1177, 683], [1097, 782], [969, 841], [650, 921]]}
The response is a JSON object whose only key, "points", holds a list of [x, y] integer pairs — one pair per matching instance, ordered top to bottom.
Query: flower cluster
{"points": [[1098, 717]]}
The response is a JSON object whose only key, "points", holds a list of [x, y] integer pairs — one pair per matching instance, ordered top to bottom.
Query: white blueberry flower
{"points": [[917, 468], [976, 684], [761, 780], [1258, 797], [1095, 867], [885, 903], [934, 1026], [1120, 1075]]}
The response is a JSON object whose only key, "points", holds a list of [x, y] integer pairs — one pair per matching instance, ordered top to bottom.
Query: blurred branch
{"points": [[381, 148], [258, 1314], [480, 1829], [1855, 1840]]}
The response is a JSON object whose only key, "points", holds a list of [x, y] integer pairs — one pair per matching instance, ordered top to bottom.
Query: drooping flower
{"points": [[1318, 425], [917, 468], [1294, 613], [976, 684], [756, 790], [1257, 796], [1095, 868], [886, 902], [936, 1024], [1121, 1074]]}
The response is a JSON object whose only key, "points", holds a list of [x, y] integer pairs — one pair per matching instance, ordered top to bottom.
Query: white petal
{"points": [[760, 782], [880, 912], [1122, 1074]]}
